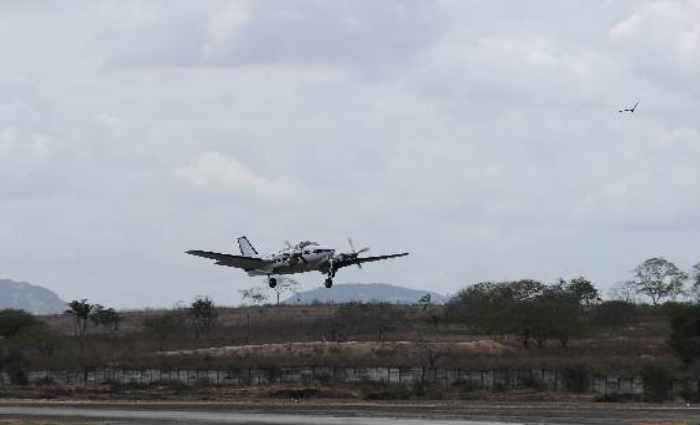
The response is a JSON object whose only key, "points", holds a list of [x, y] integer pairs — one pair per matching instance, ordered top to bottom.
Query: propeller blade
{"points": [[356, 253]]}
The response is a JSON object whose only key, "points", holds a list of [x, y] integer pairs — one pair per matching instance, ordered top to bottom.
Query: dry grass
{"points": [[345, 335]]}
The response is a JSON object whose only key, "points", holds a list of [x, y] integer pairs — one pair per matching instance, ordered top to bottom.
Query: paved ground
{"points": [[330, 414]]}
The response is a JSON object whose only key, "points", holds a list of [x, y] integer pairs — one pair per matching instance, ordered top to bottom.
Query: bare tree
{"points": [[695, 276], [658, 279], [285, 285], [624, 290], [254, 295]]}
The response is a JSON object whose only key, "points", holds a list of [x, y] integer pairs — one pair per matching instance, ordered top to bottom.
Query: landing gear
{"points": [[272, 282], [328, 282]]}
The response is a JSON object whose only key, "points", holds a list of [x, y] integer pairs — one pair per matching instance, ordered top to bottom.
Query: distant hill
{"points": [[364, 292], [32, 298]]}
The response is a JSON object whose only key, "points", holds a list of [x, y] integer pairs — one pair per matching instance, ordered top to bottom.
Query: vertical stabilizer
{"points": [[246, 247]]}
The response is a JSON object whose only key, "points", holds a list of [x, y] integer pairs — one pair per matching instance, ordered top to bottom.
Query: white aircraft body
{"points": [[303, 257]]}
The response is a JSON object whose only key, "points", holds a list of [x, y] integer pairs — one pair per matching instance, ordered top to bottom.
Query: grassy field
{"points": [[353, 335]]}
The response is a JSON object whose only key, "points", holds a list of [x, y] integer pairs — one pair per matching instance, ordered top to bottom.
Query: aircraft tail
{"points": [[246, 247]]}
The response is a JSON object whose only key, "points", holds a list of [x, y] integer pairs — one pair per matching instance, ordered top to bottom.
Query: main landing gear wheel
{"points": [[272, 282], [328, 282]]}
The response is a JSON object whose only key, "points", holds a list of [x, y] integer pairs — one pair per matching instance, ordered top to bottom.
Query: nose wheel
{"points": [[272, 282], [328, 282]]}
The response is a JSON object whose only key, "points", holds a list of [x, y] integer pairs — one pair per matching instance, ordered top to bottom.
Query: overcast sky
{"points": [[481, 136]]}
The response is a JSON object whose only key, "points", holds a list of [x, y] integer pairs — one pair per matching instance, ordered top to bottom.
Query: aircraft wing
{"points": [[238, 261], [352, 261]]}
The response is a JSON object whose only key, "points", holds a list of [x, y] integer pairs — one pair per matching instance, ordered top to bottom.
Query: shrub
{"points": [[614, 313], [685, 335], [577, 378], [46, 380], [531, 381], [658, 382], [617, 398]]}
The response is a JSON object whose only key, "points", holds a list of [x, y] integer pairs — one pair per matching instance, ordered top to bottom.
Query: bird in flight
{"points": [[629, 109]]}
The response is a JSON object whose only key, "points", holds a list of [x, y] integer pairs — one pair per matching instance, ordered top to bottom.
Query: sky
{"points": [[480, 136]]}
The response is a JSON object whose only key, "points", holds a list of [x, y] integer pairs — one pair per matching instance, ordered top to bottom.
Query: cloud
{"points": [[364, 36], [662, 39], [480, 135], [216, 172]]}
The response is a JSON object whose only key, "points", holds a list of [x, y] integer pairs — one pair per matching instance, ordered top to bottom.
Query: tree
{"points": [[695, 276], [658, 279], [284, 285], [583, 290], [625, 291], [254, 295], [498, 307], [526, 308], [80, 310], [614, 313], [553, 314], [203, 315], [105, 317], [13, 321], [163, 325], [685, 330], [20, 331], [41, 338]]}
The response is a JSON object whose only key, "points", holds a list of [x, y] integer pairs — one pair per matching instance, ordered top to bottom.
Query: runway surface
{"points": [[137, 413]]}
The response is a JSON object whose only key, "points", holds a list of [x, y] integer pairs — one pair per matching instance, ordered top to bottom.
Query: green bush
{"points": [[614, 313], [685, 334], [18, 376], [577, 378], [533, 382], [658, 382]]}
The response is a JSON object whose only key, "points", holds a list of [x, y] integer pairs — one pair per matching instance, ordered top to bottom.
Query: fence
{"points": [[551, 379]]}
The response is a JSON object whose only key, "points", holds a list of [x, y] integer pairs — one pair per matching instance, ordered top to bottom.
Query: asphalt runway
{"points": [[346, 415], [127, 416]]}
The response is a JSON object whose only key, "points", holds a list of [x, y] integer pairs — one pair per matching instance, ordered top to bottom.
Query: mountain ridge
{"points": [[35, 299]]}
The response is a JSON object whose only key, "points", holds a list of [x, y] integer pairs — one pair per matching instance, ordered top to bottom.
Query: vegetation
{"points": [[659, 279], [527, 308], [203, 316], [105, 317], [525, 324], [163, 325], [20, 333]]}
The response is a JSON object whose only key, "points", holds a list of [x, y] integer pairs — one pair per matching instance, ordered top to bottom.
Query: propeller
{"points": [[356, 253]]}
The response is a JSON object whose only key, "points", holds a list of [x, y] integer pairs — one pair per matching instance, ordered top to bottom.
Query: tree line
{"points": [[536, 311], [23, 335]]}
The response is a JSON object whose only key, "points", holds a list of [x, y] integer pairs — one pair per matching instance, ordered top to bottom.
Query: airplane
{"points": [[629, 109], [303, 257]]}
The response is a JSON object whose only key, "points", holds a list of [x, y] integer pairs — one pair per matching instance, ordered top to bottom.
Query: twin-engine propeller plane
{"points": [[303, 257]]}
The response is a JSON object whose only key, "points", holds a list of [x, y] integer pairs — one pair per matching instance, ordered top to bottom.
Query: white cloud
{"points": [[224, 28], [662, 38], [488, 139], [220, 173]]}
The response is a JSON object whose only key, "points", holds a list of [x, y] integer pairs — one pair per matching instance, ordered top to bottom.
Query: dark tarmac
{"points": [[335, 414]]}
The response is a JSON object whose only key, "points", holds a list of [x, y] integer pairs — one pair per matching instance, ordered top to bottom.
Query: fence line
{"points": [[551, 379]]}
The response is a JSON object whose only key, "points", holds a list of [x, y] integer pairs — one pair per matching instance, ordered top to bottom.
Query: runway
{"points": [[147, 413], [133, 417]]}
